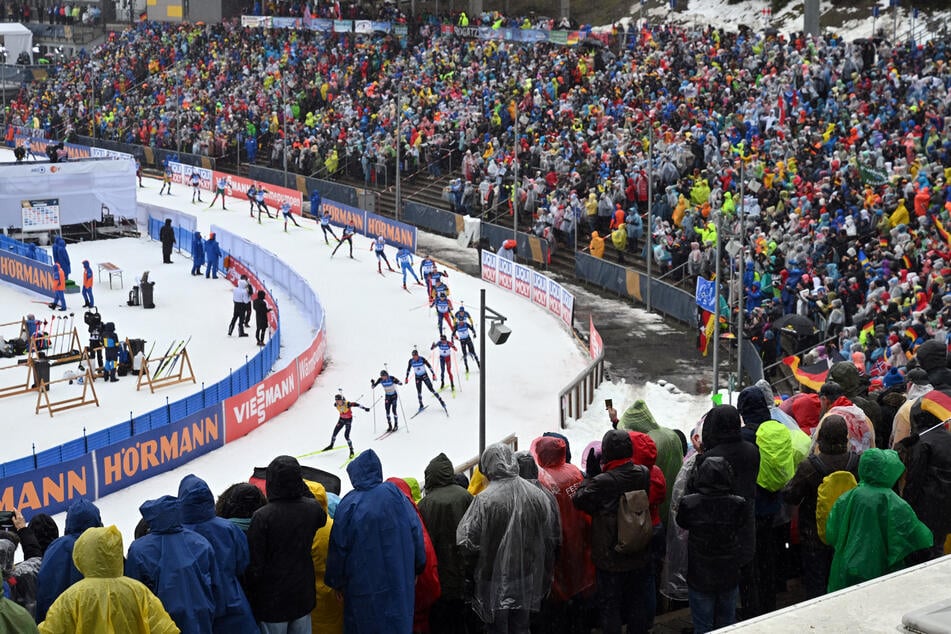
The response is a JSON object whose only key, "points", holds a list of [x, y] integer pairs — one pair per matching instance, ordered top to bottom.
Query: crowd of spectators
{"points": [[50, 12], [532, 542]]}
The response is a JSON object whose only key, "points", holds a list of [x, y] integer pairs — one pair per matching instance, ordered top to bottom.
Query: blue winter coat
{"points": [[198, 248], [212, 251], [60, 256], [376, 550], [231, 554], [177, 565], [58, 572]]}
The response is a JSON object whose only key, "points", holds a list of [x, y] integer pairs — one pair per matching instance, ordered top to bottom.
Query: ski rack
{"points": [[64, 357], [158, 382], [20, 388], [72, 402]]}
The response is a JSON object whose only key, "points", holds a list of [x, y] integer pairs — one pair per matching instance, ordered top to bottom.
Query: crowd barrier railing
{"points": [[25, 249], [146, 445]]}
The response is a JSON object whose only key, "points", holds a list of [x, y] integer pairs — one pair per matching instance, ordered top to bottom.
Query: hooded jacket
{"points": [[167, 234], [198, 249], [212, 250], [60, 256], [846, 375], [721, 437], [645, 453], [670, 453], [928, 461], [598, 497], [441, 509], [714, 517], [870, 527], [511, 535], [230, 547], [376, 550], [177, 564], [574, 570], [57, 572], [280, 578], [427, 583], [105, 601], [327, 617], [15, 618]]}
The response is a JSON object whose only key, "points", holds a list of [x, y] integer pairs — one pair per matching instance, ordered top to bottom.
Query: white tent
{"points": [[16, 39]]}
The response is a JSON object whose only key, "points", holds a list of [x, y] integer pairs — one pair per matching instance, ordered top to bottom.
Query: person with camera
{"points": [[19, 578]]}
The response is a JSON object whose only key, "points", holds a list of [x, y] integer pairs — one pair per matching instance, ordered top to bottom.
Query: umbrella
{"points": [[795, 324]]}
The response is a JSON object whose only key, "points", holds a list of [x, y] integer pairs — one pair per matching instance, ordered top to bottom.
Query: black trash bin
{"points": [[146, 288], [133, 296], [41, 371]]}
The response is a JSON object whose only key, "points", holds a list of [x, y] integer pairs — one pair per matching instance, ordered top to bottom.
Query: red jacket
{"points": [[645, 453], [574, 572], [427, 584]]}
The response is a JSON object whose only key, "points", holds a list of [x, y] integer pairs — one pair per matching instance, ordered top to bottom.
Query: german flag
{"points": [[941, 230], [883, 242], [868, 330], [912, 334], [812, 376], [938, 404]]}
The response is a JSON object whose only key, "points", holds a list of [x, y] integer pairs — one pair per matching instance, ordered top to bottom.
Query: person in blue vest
{"points": [[288, 214], [326, 228], [347, 237], [377, 247], [198, 253], [212, 255], [404, 257], [443, 306], [446, 348], [419, 366], [390, 397], [231, 554], [177, 564], [58, 572]]}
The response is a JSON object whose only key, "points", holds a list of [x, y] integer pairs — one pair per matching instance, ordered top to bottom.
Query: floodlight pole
{"points": [[494, 317]]}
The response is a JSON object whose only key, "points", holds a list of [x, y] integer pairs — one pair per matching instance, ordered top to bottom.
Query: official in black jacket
{"points": [[167, 238], [280, 579], [625, 582]]}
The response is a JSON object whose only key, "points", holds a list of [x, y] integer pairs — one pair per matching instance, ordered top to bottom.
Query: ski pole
{"points": [[372, 391], [405, 418]]}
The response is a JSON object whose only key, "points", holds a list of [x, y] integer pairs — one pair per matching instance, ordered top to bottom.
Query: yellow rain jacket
{"points": [[105, 602], [327, 617]]}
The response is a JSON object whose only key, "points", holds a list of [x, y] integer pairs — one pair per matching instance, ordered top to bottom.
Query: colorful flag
{"points": [[942, 231], [863, 260], [705, 293], [868, 330], [911, 333], [706, 335], [812, 376], [938, 404]]}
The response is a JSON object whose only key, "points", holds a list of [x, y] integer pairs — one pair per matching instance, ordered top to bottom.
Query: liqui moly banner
{"points": [[182, 175], [274, 195], [530, 284], [257, 405]]}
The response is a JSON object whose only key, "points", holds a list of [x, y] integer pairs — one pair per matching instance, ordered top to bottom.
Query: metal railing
{"points": [[574, 399], [470, 464]]}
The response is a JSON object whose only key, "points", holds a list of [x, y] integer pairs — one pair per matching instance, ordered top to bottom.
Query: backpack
{"points": [[833, 484], [634, 526]]}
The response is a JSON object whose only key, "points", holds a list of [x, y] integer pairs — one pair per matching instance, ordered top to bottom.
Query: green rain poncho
{"points": [[670, 454], [776, 465], [871, 528]]}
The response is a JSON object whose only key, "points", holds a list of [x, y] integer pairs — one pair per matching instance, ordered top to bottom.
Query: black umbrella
{"points": [[795, 324]]}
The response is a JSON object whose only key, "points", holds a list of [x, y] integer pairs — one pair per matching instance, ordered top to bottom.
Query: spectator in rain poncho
{"points": [[670, 453], [508, 533], [58, 571]]}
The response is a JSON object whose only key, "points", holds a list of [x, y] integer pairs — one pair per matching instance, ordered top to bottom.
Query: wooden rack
{"points": [[180, 358], [19, 388], [43, 399]]}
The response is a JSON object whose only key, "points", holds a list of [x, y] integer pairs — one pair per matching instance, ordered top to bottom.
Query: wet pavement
{"points": [[639, 346]]}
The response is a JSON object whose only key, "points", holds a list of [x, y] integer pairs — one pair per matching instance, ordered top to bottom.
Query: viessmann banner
{"points": [[530, 284]]}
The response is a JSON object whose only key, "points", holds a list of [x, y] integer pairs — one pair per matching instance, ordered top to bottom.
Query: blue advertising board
{"points": [[26, 273], [148, 454], [50, 489]]}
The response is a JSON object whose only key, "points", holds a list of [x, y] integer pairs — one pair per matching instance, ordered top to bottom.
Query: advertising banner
{"points": [[182, 174], [274, 196], [397, 234], [490, 266], [29, 274], [506, 274], [523, 281], [539, 289], [595, 343], [311, 362], [255, 406], [159, 450], [50, 489]]}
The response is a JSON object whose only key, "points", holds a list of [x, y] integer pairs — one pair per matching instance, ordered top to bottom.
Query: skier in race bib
{"points": [[220, 185], [196, 186], [288, 214], [326, 228], [347, 237], [378, 245], [404, 257], [443, 307], [464, 331], [446, 348], [420, 366], [390, 397], [345, 409]]}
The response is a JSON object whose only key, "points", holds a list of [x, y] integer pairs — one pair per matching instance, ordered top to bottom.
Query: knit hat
{"points": [[932, 355], [846, 375], [917, 376], [892, 378], [833, 437], [616, 445]]}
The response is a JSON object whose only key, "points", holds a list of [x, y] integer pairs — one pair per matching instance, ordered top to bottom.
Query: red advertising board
{"points": [[274, 195], [236, 270], [595, 344], [311, 362], [255, 406]]}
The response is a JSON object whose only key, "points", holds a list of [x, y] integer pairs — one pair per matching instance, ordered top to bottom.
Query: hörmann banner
{"points": [[27, 273], [153, 452], [50, 489]]}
